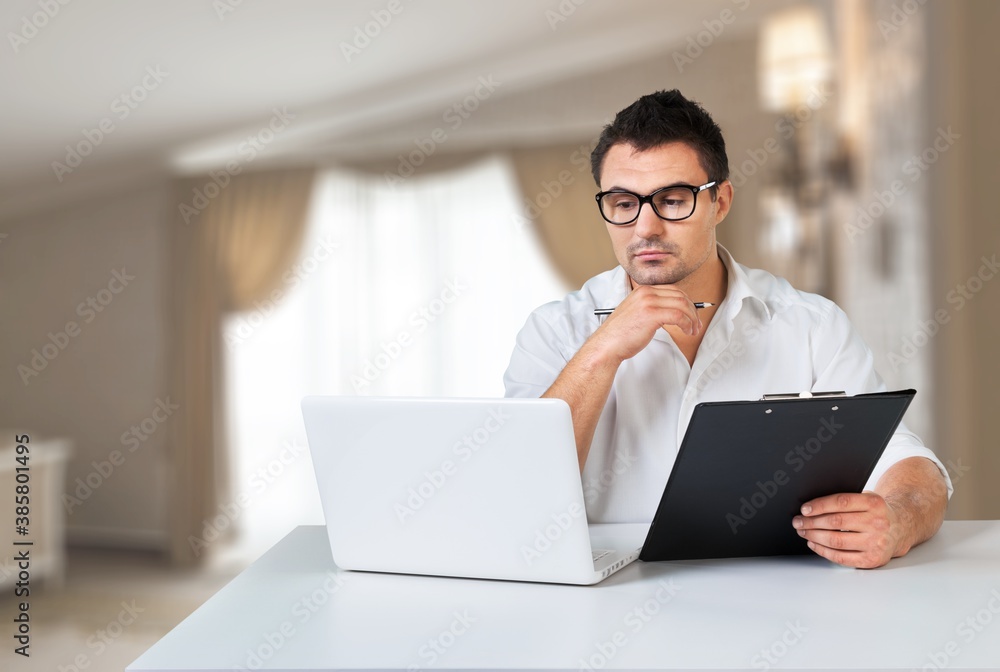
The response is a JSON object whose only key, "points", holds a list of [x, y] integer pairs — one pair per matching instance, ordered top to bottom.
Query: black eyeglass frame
{"points": [[649, 199]]}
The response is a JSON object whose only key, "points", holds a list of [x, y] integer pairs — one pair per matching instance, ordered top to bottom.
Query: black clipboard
{"points": [[746, 467]]}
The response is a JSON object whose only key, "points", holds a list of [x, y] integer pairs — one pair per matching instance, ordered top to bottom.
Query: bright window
{"points": [[425, 288]]}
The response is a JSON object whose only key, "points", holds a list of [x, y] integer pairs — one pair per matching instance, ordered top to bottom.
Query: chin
{"points": [[657, 276]]}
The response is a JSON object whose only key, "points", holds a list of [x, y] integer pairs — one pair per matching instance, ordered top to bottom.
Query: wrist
{"points": [[597, 356], [900, 526]]}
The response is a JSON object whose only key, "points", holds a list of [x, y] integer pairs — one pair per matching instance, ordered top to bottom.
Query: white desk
{"points": [[295, 610]]}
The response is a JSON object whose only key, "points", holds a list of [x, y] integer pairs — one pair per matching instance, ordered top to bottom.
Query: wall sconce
{"points": [[794, 58], [795, 67], [795, 71]]}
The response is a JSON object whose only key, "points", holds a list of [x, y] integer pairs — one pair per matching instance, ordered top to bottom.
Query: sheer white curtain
{"points": [[416, 289]]}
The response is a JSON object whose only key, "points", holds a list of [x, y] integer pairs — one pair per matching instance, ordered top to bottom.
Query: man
{"points": [[632, 381]]}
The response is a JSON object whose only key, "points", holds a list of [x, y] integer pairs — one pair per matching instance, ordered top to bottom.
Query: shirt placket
{"points": [[716, 341]]}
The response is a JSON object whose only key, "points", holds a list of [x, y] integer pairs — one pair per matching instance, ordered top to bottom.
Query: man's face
{"points": [[654, 251]]}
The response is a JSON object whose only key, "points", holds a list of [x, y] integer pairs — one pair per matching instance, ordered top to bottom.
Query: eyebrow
{"points": [[672, 184]]}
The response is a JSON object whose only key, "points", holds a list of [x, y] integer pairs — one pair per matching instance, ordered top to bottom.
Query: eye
{"points": [[674, 198], [620, 201]]}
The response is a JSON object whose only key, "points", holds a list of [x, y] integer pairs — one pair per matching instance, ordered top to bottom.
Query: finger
{"points": [[665, 292], [663, 296], [665, 306], [665, 315], [677, 316], [687, 318], [687, 325], [842, 503], [853, 522], [837, 541], [846, 558], [857, 559]]}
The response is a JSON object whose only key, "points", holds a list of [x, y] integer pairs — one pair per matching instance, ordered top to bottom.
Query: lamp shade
{"points": [[793, 57]]}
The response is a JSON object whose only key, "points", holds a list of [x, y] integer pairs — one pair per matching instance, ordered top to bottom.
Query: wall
{"points": [[573, 112], [964, 230], [111, 372]]}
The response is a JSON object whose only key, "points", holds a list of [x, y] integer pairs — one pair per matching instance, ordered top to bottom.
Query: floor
{"points": [[112, 607]]}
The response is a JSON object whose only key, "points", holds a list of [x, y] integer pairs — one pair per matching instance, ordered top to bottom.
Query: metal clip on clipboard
{"points": [[803, 395]]}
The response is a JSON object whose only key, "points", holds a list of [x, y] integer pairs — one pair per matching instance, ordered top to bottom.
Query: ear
{"points": [[723, 201]]}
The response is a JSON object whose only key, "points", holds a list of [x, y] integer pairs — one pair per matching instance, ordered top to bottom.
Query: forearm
{"points": [[585, 381], [584, 384], [915, 489]]}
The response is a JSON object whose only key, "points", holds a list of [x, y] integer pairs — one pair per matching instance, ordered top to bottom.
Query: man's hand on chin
{"points": [[856, 530]]}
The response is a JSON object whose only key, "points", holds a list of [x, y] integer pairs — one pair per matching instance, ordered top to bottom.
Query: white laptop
{"points": [[480, 488]]}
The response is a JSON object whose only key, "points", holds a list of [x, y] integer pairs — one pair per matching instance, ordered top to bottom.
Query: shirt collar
{"points": [[739, 288]]}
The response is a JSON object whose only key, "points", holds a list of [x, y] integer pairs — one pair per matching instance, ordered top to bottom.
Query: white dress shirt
{"points": [[766, 337]]}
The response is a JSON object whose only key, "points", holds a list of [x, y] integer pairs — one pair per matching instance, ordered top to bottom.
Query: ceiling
{"points": [[225, 65]]}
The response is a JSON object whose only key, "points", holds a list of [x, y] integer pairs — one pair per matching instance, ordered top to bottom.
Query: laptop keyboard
{"points": [[600, 553]]}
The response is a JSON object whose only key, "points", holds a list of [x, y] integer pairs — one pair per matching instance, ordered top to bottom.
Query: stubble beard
{"points": [[668, 271]]}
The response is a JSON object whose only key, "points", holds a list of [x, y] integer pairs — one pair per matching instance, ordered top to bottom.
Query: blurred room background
{"points": [[209, 209]]}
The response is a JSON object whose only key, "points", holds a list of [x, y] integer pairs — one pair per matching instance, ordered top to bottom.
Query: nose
{"points": [[649, 225]]}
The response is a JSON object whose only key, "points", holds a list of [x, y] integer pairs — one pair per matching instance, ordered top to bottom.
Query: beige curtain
{"points": [[559, 191], [230, 246]]}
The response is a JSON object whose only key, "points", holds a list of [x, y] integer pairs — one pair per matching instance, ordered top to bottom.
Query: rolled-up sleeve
{"points": [[538, 358]]}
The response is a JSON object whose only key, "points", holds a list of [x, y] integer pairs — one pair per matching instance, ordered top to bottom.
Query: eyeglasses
{"points": [[620, 207]]}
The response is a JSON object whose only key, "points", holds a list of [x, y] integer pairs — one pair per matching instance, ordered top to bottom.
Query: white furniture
{"points": [[47, 463], [294, 610]]}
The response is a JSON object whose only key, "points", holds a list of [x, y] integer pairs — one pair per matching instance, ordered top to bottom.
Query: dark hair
{"points": [[660, 118]]}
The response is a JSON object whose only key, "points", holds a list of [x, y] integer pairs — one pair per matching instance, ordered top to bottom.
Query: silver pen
{"points": [[607, 311]]}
